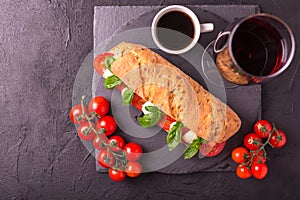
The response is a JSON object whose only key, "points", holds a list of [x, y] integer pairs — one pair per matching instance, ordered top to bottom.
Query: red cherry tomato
{"points": [[98, 62], [138, 102], [98, 105], [75, 112], [165, 122], [108, 123], [263, 128], [83, 131], [278, 139], [252, 141], [97, 142], [117, 143], [133, 151], [208, 151], [240, 155], [260, 157], [105, 158], [133, 169], [259, 170], [243, 172], [116, 175]]}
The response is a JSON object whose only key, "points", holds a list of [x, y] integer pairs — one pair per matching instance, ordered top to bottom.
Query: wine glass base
{"points": [[210, 69]]}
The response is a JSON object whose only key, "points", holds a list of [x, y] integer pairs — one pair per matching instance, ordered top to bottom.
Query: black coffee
{"points": [[178, 30]]}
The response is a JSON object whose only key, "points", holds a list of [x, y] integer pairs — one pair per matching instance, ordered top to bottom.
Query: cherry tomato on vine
{"points": [[98, 62], [98, 105], [75, 112], [108, 123], [263, 128], [83, 131], [278, 139], [252, 141], [97, 142], [117, 143], [133, 151], [209, 151], [240, 155], [260, 157], [105, 158], [133, 169], [259, 170], [243, 172], [116, 175]]}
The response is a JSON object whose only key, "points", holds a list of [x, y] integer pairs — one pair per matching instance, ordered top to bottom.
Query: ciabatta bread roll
{"points": [[176, 94]]}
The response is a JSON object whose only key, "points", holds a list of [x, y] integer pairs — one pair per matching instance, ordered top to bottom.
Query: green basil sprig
{"points": [[108, 61], [111, 82], [127, 97], [150, 119], [174, 136], [193, 148]]}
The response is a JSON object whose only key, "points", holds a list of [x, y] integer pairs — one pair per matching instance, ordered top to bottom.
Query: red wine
{"points": [[178, 30], [257, 47]]}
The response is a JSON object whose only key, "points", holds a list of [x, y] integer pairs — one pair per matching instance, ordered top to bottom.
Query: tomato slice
{"points": [[98, 62], [138, 102], [165, 122], [208, 151]]}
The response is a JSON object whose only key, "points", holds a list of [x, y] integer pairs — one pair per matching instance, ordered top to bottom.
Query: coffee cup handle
{"points": [[206, 27], [220, 35]]}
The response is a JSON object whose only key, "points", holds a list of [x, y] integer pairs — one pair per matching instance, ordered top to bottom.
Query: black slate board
{"points": [[236, 98]]}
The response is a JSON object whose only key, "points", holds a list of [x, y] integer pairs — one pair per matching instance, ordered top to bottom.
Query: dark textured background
{"points": [[42, 44]]}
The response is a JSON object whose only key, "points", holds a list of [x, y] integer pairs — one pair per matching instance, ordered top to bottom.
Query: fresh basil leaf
{"points": [[108, 61], [111, 82], [127, 97], [152, 109], [150, 119], [144, 121], [174, 136], [193, 148], [190, 151]]}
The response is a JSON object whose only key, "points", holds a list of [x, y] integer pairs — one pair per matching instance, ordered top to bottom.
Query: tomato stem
{"points": [[119, 156]]}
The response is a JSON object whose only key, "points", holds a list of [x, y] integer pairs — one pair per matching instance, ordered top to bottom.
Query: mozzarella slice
{"points": [[107, 73], [147, 103], [189, 136]]}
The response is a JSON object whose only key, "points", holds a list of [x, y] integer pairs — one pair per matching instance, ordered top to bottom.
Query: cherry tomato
{"points": [[98, 62], [138, 102], [98, 105], [75, 112], [165, 122], [108, 123], [263, 128], [83, 131], [278, 139], [252, 141], [97, 142], [117, 143], [133, 151], [209, 151], [240, 155], [260, 157], [105, 158], [133, 169], [259, 170], [243, 172], [116, 175]]}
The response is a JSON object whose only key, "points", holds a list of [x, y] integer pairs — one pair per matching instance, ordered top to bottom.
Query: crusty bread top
{"points": [[155, 79]]}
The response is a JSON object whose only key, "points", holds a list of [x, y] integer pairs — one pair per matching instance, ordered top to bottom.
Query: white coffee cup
{"points": [[198, 28]]}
